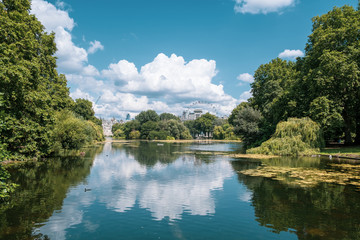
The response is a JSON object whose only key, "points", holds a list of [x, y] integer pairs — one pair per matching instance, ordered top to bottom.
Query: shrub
{"points": [[71, 132], [119, 134], [134, 134], [293, 137]]}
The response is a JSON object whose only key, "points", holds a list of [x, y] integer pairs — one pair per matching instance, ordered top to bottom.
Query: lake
{"points": [[149, 190]]}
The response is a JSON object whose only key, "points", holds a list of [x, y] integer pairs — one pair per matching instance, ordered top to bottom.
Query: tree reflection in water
{"points": [[43, 187], [323, 211]]}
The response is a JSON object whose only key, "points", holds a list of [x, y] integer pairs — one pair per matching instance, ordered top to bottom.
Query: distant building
{"points": [[198, 113], [187, 115], [128, 117], [107, 125]]}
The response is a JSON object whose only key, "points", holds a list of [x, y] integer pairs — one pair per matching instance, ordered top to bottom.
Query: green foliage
{"points": [[331, 66], [323, 85], [33, 90], [271, 92], [83, 108], [236, 111], [328, 115], [145, 116], [168, 116], [203, 124], [247, 125], [117, 126], [131, 126], [192, 126], [148, 127], [175, 129], [150, 130], [71, 132], [219, 132], [225, 132], [97, 133], [119, 134], [134, 134], [158, 135], [293, 137], [5, 186]]}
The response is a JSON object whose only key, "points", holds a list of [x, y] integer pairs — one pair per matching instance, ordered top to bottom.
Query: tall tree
{"points": [[331, 66], [32, 88], [271, 92], [84, 108], [145, 116]]}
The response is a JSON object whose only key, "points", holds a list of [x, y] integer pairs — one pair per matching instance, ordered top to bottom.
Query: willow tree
{"points": [[331, 66], [32, 88]]}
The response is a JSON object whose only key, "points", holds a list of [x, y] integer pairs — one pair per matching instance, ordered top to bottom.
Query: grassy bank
{"points": [[342, 151]]}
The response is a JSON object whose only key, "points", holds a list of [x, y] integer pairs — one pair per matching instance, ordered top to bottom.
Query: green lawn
{"points": [[342, 150]]}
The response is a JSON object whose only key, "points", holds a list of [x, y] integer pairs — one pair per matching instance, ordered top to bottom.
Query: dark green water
{"points": [[147, 190]]}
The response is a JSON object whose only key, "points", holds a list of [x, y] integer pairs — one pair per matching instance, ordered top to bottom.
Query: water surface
{"points": [[145, 190]]}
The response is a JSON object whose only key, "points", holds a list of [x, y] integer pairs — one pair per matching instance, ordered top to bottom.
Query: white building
{"points": [[191, 115]]}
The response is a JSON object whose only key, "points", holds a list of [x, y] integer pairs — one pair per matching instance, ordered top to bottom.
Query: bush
{"points": [[73, 133], [98, 133], [119, 134], [134, 134], [158, 135], [293, 137]]}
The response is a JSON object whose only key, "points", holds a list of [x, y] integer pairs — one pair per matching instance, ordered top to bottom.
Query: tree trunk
{"points": [[347, 121], [357, 138]]}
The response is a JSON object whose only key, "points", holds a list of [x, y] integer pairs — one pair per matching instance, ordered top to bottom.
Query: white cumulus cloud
{"points": [[262, 6], [50, 16], [95, 46], [291, 54], [71, 58], [170, 77], [246, 77], [166, 84]]}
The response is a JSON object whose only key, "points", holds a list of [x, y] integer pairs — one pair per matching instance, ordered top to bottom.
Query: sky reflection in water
{"points": [[137, 199]]}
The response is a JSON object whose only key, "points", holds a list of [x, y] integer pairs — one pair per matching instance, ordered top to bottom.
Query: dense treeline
{"points": [[324, 85], [38, 116], [149, 125], [166, 126]]}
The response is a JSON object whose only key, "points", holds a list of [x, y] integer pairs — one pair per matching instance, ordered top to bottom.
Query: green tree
{"points": [[331, 66], [32, 88], [270, 89], [84, 108], [236, 111], [328, 115], [145, 116], [168, 116], [205, 123], [191, 125], [247, 125], [117, 126], [131, 126], [148, 127], [175, 129], [71, 132], [219, 132], [119, 134], [134, 134], [293, 137]]}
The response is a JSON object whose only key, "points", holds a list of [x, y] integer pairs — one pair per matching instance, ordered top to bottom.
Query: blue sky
{"points": [[167, 54]]}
